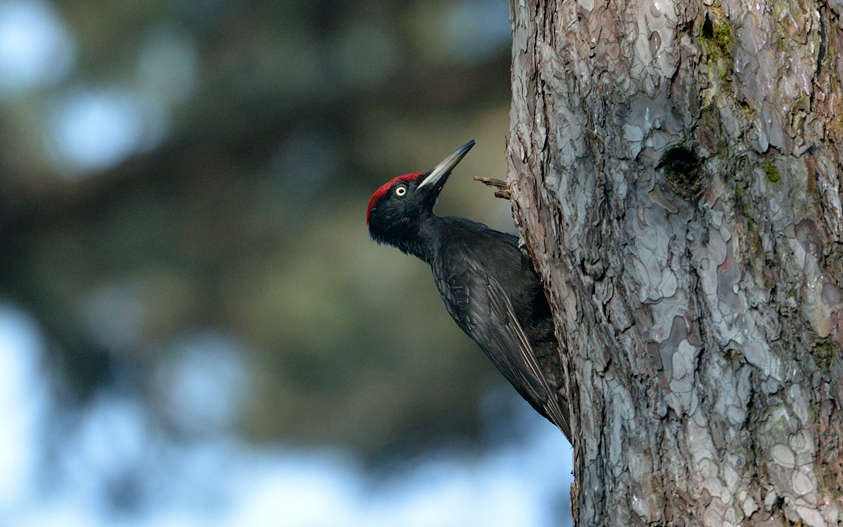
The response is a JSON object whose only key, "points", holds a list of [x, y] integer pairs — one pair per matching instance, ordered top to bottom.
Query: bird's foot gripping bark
{"points": [[502, 186]]}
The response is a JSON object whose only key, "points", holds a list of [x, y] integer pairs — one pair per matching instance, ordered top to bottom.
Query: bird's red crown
{"points": [[383, 189]]}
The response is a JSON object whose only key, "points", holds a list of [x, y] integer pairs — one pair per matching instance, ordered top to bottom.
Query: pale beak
{"points": [[437, 177]]}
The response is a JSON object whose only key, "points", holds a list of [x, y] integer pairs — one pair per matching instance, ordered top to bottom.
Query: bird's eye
{"points": [[400, 190]]}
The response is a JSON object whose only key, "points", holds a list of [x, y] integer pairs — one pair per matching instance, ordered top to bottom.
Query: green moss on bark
{"points": [[718, 39], [771, 172], [824, 352]]}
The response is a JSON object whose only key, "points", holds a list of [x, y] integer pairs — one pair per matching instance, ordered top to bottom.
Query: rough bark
{"points": [[674, 169]]}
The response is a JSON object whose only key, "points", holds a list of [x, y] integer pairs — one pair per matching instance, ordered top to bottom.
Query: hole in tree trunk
{"points": [[708, 27], [682, 171]]}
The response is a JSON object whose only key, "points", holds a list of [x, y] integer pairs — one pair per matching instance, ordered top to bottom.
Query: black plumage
{"points": [[488, 285]]}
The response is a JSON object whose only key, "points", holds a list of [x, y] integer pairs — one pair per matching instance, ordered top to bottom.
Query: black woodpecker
{"points": [[488, 285]]}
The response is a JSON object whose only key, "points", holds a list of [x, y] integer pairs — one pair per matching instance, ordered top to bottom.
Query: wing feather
{"points": [[482, 308], [528, 369]]}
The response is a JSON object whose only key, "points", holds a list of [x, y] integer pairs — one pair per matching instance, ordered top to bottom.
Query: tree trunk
{"points": [[674, 171]]}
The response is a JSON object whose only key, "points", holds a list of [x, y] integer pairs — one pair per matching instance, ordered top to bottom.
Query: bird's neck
{"points": [[423, 243]]}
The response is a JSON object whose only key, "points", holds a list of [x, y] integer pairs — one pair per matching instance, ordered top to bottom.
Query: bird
{"points": [[488, 284]]}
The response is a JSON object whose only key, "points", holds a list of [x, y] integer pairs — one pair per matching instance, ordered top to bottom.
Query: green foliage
{"points": [[247, 217]]}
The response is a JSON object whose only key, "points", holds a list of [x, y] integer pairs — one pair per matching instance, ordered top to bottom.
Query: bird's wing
{"points": [[482, 308], [527, 369]]}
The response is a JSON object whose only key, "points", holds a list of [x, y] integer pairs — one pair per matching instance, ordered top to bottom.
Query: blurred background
{"points": [[195, 329]]}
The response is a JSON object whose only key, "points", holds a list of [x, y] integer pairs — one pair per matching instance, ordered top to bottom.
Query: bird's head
{"points": [[398, 207]]}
